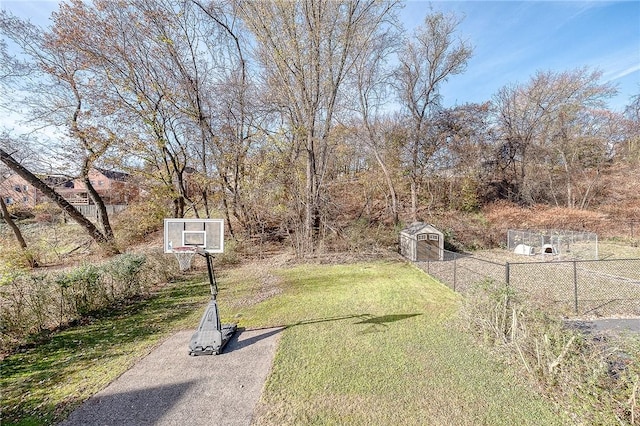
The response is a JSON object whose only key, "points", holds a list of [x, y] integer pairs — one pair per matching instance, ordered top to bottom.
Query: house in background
{"points": [[114, 187], [15, 190]]}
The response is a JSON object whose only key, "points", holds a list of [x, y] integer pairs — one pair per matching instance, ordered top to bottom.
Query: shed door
{"points": [[428, 247]]}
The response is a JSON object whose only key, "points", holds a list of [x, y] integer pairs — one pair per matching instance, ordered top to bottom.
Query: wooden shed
{"points": [[421, 242]]}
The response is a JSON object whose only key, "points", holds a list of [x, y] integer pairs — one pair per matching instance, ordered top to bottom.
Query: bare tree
{"points": [[307, 49], [429, 58], [10, 69], [179, 76], [371, 80], [59, 96], [138, 99], [237, 113], [542, 123], [468, 141], [631, 147], [106, 243]]}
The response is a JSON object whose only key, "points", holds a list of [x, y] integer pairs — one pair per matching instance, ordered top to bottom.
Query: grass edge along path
{"points": [[364, 343], [370, 343], [43, 384]]}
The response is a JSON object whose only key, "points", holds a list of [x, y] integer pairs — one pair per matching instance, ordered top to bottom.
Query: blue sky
{"points": [[512, 40]]}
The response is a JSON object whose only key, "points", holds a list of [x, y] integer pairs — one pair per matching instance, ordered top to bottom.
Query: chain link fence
{"points": [[461, 271], [569, 288]]}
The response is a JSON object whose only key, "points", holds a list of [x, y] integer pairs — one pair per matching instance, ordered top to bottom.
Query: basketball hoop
{"points": [[186, 237], [204, 237], [184, 256]]}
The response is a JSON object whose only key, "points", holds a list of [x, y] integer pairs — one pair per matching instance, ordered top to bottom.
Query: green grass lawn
{"points": [[369, 343], [373, 344]]}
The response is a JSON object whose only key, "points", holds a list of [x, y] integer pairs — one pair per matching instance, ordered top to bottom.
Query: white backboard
{"points": [[205, 234]]}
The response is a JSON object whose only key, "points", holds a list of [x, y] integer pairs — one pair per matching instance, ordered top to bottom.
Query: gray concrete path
{"points": [[607, 325], [630, 325], [169, 387]]}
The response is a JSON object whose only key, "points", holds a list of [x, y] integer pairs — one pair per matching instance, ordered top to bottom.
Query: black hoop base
{"points": [[211, 337]]}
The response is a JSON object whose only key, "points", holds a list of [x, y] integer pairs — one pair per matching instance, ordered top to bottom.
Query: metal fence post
{"points": [[454, 271], [506, 273], [575, 286]]}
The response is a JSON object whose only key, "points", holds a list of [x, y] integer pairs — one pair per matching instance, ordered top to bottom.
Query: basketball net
{"points": [[184, 256]]}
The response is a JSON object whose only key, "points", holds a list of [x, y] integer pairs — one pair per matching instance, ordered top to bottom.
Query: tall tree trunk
{"points": [[569, 183], [392, 190], [587, 193], [311, 196], [414, 200], [225, 205], [178, 206], [103, 216], [18, 234], [108, 245]]}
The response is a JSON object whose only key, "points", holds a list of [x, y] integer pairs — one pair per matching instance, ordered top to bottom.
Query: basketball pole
{"points": [[212, 275], [213, 284], [211, 336]]}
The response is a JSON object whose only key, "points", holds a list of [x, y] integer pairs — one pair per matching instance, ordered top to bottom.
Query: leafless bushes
{"points": [[35, 303], [595, 378]]}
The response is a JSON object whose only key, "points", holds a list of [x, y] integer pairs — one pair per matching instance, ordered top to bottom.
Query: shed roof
{"points": [[419, 228]]}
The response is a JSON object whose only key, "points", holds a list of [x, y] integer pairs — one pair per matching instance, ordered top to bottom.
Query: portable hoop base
{"points": [[211, 337]]}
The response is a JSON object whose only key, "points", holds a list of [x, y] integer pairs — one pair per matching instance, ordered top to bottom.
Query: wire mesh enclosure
{"points": [[563, 244], [581, 287], [570, 288]]}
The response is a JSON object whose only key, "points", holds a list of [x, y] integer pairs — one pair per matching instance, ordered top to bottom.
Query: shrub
{"points": [[20, 212], [48, 213], [139, 220], [362, 237], [230, 255], [13, 256], [12, 263], [158, 268], [121, 275], [82, 290], [32, 303], [28, 305], [14, 312], [596, 379]]}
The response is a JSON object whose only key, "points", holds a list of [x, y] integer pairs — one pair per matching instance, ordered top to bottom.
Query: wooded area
{"points": [[293, 119]]}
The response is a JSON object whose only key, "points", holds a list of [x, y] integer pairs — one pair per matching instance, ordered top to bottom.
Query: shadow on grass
{"points": [[387, 319], [377, 324], [380, 324], [235, 344]]}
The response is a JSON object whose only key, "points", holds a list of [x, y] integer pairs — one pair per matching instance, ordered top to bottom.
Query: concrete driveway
{"points": [[169, 387]]}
